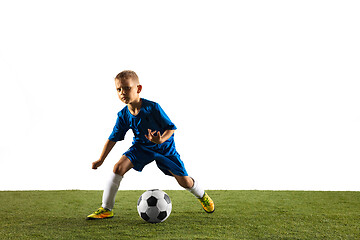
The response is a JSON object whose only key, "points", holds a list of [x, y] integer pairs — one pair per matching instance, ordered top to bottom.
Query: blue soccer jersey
{"points": [[151, 116], [142, 152]]}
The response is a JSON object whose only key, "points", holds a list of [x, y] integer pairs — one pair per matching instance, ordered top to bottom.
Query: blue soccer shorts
{"points": [[140, 156]]}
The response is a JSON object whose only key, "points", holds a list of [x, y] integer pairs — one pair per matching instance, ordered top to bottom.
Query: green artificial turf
{"points": [[238, 215]]}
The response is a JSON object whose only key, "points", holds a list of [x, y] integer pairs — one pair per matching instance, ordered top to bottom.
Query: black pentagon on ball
{"points": [[140, 198], [167, 199], [151, 201], [162, 215], [145, 216]]}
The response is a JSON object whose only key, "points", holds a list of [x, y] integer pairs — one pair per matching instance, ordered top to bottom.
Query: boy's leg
{"points": [[172, 165], [120, 168], [192, 186], [110, 191], [108, 201]]}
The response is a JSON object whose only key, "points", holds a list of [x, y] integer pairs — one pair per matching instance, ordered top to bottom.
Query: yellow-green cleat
{"points": [[207, 203], [101, 213]]}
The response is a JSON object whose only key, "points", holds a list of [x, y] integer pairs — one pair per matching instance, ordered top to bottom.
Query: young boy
{"points": [[153, 140]]}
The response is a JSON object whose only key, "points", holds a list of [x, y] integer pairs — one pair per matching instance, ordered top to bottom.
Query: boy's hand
{"points": [[154, 137], [97, 164]]}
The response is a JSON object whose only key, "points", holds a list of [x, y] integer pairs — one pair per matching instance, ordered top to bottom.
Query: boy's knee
{"points": [[122, 166], [119, 169], [186, 182], [187, 185]]}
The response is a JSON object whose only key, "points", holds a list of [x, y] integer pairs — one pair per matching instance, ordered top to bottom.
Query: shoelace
{"points": [[206, 202], [99, 211]]}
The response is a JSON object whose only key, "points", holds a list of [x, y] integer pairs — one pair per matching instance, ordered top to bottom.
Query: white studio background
{"points": [[265, 94]]}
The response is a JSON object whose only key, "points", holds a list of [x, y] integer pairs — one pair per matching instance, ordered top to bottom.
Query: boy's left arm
{"points": [[157, 138]]}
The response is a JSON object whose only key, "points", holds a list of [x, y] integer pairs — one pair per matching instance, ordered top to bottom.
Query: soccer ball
{"points": [[154, 206]]}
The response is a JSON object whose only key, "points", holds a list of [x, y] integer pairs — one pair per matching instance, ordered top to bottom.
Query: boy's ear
{"points": [[139, 88]]}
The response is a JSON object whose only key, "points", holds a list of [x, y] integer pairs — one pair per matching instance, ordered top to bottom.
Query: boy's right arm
{"points": [[107, 148]]}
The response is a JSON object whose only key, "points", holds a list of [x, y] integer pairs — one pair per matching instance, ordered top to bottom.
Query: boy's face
{"points": [[128, 90]]}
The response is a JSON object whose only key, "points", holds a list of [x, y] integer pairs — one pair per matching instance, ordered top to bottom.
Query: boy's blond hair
{"points": [[128, 74]]}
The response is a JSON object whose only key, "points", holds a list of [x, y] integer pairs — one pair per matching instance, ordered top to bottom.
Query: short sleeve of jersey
{"points": [[163, 119], [120, 128]]}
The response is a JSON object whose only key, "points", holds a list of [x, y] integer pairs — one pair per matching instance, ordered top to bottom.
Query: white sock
{"points": [[196, 190], [110, 191]]}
